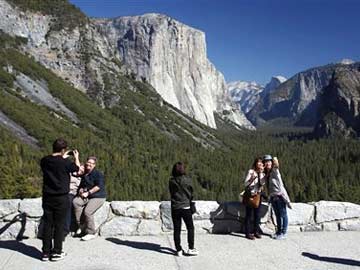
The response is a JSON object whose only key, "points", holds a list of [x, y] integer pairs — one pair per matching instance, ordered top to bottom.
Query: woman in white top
{"points": [[254, 182]]}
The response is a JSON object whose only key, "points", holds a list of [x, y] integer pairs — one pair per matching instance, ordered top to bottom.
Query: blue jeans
{"points": [[279, 205]]}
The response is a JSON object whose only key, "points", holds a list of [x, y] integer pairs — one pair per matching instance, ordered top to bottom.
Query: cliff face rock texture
{"points": [[79, 55], [171, 56], [296, 99], [339, 107], [22, 218]]}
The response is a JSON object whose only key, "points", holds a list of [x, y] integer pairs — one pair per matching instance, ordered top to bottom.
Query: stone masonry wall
{"points": [[22, 218]]}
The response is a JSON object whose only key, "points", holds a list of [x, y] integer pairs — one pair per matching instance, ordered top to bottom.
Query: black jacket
{"points": [[56, 172], [181, 191]]}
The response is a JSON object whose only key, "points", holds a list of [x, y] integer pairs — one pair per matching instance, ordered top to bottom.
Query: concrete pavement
{"points": [[316, 250]]}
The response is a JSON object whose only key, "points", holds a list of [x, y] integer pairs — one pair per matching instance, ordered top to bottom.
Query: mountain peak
{"points": [[346, 61]]}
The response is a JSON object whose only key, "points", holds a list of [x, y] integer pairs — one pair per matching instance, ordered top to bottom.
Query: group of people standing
{"points": [[265, 173], [69, 186]]}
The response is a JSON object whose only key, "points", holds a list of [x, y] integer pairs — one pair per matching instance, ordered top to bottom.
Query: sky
{"points": [[253, 40]]}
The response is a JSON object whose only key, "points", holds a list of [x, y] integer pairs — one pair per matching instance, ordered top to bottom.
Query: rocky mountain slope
{"points": [[91, 53], [247, 94], [297, 99], [339, 109]]}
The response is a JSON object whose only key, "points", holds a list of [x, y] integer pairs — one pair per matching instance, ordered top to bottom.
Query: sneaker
{"points": [[78, 231], [274, 236], [88, 237], [281, 237], [192, 252], [179, 253], [57, 256], [45, 257]]}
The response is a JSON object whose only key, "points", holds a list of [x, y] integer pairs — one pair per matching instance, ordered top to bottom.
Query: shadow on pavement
{"points": [[18, 218], [143, 245], [20, 247], [331, 259]]}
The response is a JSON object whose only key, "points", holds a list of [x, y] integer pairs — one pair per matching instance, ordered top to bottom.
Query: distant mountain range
{"points": [[302, 99]]}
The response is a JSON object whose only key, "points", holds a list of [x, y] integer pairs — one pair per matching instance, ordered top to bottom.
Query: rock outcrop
{"points": [[168, 54], [172, 57], [245, 94], [296, 99], [339, 107], [22, 218]]}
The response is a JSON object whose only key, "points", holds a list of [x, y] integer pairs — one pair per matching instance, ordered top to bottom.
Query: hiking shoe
{"points": [[250, 236], [88, 237], [192, 252], [57, 256], [45, 257]]}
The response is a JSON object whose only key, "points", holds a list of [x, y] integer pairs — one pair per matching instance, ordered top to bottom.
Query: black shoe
{"points": [[45, 257], [57, 257]]}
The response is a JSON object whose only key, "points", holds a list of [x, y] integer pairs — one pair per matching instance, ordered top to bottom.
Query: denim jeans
{"points": [[279, 205], [69, 214]]}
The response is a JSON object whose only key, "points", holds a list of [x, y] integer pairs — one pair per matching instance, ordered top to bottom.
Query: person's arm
{"points": [[250, 177], [99, 182], [284, 193]]}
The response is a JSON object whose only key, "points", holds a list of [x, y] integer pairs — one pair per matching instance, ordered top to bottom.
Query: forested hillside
{"points": [[138, 141]]}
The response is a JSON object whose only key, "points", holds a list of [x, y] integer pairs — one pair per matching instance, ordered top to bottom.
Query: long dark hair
{"points": [[256, 160], [178, 169]]}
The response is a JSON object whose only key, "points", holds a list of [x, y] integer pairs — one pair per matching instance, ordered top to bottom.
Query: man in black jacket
{"points": [[56, 170]]}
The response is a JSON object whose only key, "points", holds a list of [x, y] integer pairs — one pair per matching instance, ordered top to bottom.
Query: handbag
{"points": [[250, 200]]}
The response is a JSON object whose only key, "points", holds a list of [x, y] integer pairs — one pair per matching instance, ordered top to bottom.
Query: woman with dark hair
{"points": [[254, 182], [181, 192]]}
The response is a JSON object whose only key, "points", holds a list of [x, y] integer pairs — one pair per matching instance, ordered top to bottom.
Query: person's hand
{"points": [[76, 153], [85, 194], [289, 205]]}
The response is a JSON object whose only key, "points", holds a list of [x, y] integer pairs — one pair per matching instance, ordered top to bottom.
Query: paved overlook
{"points": [[310, 250]]}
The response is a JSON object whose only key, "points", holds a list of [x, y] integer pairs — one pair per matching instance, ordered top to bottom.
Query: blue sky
{"points": [[255, 39]]}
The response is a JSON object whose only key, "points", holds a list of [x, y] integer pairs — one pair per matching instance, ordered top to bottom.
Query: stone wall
{"points": [[22, 218]]}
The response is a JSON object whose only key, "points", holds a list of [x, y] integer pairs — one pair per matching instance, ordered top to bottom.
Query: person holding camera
{"points": [[56, 170], [254, 182], [181, 192], [279, 197], [90, 198]]}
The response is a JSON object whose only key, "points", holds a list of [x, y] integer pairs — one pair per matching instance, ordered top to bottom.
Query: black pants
{"points": [[55, 210], [69, 214], [185, 214], [256, 221]]}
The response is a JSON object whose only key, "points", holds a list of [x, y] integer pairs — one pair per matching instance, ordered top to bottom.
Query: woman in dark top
{"points": [[181, 192]]}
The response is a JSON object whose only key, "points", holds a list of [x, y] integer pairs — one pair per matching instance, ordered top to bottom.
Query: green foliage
{"points": [[65, 14], [7, 41], [138, 141]]}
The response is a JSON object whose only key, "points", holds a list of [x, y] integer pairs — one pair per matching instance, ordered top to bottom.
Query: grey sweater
{"points": [[276, 185], [181, 191]]}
